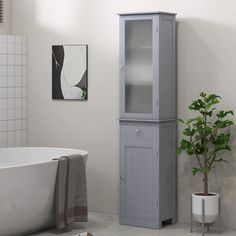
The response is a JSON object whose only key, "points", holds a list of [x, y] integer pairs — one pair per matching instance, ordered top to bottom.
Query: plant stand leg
{"points": [[191, 214], [203, 217], [219, 222], [208, 227]]}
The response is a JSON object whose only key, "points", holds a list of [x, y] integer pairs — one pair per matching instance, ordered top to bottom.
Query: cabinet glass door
{"points": [[138, 67]]}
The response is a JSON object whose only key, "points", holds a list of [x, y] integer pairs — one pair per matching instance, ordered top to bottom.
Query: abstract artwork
{"points": [[69, 72]]}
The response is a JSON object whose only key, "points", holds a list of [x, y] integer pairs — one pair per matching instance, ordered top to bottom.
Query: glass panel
{"points": [[138, 66]]}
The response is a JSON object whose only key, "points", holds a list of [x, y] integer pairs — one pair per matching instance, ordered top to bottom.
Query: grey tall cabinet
{"points": [[147, 119]]}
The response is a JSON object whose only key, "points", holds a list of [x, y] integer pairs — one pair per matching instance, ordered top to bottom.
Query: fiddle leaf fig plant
{"points": [[205, 136]]}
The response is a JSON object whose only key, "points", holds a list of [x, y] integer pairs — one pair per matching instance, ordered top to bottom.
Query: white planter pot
{"points": [[211, 207]]}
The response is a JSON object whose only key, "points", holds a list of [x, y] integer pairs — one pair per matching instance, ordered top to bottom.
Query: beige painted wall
{"points": [[5, 27], [206, 61]]}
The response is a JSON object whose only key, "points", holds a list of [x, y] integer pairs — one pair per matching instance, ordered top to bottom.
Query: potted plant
{"points": [[205, 137]]}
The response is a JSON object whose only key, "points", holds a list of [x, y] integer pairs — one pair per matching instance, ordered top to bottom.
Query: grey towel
{"points": [[71, 191]]}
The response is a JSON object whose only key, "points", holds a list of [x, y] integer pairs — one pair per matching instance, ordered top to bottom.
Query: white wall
{"points": [[5, 27], [206, 61]]}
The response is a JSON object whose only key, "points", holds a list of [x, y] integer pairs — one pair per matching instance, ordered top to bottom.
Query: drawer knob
{"points": [[137, 131]]}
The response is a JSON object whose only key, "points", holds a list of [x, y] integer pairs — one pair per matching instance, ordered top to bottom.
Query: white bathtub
{"points": [[27, 184]]}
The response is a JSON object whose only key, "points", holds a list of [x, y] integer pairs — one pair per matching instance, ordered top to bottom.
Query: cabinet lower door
{"points": [[139, 184]]}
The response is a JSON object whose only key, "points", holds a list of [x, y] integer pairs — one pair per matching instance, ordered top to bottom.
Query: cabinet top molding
{"points": [[147, 13]]}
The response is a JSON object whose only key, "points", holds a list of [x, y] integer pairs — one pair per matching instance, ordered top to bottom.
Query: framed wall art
{"points": [[70, 72]]}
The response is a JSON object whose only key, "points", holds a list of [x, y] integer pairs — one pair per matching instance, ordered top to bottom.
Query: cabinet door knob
{"points": [[122, 178]]}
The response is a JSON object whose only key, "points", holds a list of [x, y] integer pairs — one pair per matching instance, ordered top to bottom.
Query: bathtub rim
{"points": [[83, 153]]}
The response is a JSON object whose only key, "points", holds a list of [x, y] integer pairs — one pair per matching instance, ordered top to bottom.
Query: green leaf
{"points": [[202, 94], [211, 100], [197, 105], [206, 113], [222, 114], [196, 119], [180, 120], [223, 123], [188, 132], [221, 139], [185, 145], [199, 147], [220, 148], [178, 151], [190, 152], [221, 160], [206, 170], [195, 171]]}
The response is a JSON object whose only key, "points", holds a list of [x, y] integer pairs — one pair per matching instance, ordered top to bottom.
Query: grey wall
{"points": [[206, 61]]}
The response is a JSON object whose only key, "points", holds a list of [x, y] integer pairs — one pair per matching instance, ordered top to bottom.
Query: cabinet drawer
{"points": [[138, 131]]}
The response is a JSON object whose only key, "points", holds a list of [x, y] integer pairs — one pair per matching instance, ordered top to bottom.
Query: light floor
{"points": [[108, 225]]}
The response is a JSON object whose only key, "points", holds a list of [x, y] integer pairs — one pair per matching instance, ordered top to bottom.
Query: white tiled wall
{"points": [[13, 91]]}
